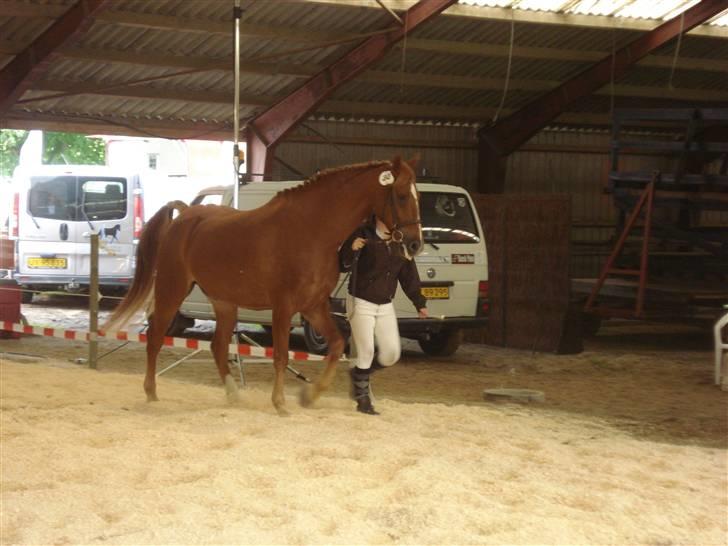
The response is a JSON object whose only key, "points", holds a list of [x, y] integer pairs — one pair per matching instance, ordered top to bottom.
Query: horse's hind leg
{"points": [[168, 296], [226, 316], [320, 318], [281, 340]]}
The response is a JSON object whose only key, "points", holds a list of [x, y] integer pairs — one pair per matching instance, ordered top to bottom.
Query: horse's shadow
{"points": [[255, 333]]}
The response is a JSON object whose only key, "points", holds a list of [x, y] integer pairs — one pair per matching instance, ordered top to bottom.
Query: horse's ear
{"points": [[414, 161], [396, 165]]}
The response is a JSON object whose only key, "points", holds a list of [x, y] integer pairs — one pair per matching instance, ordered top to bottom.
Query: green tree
{"points": [[10, 143], [58, 148], [72, 148]]}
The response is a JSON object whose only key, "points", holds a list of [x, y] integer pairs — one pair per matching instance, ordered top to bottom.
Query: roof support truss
{"points": [[31, 63], [268, 128], [507, 135]]}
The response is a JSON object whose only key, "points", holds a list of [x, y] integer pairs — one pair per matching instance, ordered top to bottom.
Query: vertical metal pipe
{"points": [[237, 13], [93, 303]]}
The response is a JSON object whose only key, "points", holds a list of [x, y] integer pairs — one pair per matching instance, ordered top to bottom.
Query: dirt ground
{"points": [[651, 380], [628, 448]]}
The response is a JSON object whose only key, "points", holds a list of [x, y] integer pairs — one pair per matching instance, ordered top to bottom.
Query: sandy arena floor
{"points": [[628, 448]]}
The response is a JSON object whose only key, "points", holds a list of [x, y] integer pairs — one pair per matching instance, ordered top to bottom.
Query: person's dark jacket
{"points": [[379, 267]]}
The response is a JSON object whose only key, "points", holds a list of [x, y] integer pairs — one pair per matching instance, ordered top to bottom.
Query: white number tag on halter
{"points": [[386, 178]]}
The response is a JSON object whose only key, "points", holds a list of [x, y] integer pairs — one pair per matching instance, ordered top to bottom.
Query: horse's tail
{"points": [[146, 265]]}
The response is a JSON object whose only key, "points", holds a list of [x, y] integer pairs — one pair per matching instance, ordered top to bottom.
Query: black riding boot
{"points": [[360, 390]]}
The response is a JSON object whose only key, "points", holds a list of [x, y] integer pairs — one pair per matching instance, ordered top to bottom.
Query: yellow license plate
{"points": [[47, 263], [435, 292]]}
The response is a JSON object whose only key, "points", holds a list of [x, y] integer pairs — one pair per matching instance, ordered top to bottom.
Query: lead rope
{"points": [[354, 267]]}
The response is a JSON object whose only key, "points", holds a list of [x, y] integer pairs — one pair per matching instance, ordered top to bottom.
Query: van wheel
{"points": [[179, 324], [316, 343], [444, 343]]}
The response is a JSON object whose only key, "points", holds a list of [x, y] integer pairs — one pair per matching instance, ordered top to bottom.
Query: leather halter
{"points": [[395, 232]]}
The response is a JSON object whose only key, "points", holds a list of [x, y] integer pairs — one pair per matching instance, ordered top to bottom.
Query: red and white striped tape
{"points": [[183, 343]]}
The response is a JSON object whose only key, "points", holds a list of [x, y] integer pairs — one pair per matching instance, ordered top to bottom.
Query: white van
{"points": [[56, 208], [453, 269]]}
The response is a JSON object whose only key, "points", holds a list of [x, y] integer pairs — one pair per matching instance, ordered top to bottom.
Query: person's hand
{"points": [[358, 243], [422, 313]]}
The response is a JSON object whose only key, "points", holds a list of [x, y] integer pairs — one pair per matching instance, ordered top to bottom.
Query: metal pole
{"points": [[237, 13], [93, 303]]}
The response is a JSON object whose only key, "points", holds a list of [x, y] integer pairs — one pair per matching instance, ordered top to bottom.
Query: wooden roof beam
{"points": [[436, 46], [475, 49], [31, 63], [375, 77], [58, 90], [117, 125]]}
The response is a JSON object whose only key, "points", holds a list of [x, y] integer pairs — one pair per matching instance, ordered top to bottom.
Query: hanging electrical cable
{"points": [[677, 51], [404, 54], [613, 68], [508, 69]]}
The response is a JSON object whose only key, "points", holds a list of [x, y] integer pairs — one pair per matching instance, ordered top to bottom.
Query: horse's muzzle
{"points": [[414, 246]]}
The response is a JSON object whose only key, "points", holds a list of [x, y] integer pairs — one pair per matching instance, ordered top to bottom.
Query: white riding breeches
{"points": [[372, 323]]}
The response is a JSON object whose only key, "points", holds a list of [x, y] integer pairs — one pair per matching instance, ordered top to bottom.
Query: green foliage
{"points": [[10, 143], [58, 148], [72, 148]]}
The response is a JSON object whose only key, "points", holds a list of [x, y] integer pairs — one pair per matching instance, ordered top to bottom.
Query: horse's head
{"points": [[400, 208]]}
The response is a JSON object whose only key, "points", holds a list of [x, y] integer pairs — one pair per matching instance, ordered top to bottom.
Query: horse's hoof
{"points": [[307, 396], [152, 398], [282, 412]]}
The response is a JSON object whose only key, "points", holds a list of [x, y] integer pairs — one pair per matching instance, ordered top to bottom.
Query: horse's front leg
{"points": [[226, 315], [320, 318], [281, 335]]}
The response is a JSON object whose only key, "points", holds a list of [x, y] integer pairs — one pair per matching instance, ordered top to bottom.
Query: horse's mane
{"points": [[326, 173]]}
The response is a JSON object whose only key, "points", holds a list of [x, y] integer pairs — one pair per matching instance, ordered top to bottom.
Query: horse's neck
{"points": [[341, 207]]}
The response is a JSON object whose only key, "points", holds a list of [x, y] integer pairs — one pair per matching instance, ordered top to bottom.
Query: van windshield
{"points": [[73, 198], [447, 218]]}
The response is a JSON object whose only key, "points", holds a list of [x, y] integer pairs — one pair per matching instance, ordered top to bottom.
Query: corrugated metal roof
{"points": [[638, 9], [170, 61]]}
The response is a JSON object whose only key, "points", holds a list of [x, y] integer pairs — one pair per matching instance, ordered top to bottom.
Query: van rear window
{"points": [[53, 197], [77, 198], [103, 199], [447, 218]]}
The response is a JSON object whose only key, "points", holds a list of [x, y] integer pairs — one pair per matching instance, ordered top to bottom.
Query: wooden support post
{"points": [[93, 303]]}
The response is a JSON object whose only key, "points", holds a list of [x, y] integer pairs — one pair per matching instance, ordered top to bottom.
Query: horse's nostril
{"points": [[414, 246]]}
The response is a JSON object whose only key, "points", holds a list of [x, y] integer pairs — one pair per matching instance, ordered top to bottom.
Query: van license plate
{"points": [[47, 263], [435, 292]]}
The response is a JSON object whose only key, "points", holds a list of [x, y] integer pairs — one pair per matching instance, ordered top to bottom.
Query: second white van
{"points": [[56, 208], [453, 269]]}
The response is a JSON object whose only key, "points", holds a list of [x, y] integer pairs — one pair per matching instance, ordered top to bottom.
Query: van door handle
{"points": [[64, 232]]}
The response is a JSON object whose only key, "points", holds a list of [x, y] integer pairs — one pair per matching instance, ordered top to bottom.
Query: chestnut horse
{"points": [[281, 256]]}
